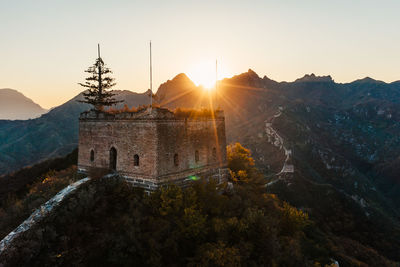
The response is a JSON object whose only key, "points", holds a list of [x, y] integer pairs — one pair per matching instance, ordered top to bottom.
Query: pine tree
{"points": [[97, 85]]}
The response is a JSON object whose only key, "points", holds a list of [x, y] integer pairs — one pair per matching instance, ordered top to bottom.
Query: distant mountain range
{"points": [[248, 100], [15, 106], [345, 140]]}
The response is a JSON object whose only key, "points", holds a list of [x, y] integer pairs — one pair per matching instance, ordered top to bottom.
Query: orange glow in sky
{"points": [[48, 44], [204, 73]]}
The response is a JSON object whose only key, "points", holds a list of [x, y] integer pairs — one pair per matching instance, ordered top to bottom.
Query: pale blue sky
{"points": [[46, 45]]}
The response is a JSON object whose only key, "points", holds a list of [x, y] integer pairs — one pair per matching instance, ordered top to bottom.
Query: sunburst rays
{"points": [[230, 96]]}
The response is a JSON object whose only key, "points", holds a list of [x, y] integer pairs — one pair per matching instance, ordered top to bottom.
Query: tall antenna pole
{"points": [[99, 71], [216, 75], [151, 80], [216, 80]]}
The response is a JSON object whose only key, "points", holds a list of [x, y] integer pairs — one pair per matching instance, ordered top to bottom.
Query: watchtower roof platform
{"points": [[154, 113]]}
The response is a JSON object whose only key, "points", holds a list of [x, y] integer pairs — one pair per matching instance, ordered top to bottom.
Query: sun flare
{"points": [[203, 73]]}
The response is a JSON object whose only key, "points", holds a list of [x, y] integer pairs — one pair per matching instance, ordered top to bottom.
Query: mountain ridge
{"points": [[181, 91], [16, 106], [343, 137]]}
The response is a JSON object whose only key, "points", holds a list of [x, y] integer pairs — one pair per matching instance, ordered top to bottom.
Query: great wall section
{"points": [[275, 139], [39, 214]]}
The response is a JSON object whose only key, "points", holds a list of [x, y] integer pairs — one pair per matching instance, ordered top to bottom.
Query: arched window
{"points": [[214, 153], [92, 155], [196, 156], [136, 160], [176, 160]]}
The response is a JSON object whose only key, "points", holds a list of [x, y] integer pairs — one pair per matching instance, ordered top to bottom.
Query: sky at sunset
{"points": [[46, 45]]}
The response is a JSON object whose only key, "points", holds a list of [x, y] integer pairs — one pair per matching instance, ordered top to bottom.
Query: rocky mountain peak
{"points": [[252, 74], [182, 78], [313, 78], [179, 85]]}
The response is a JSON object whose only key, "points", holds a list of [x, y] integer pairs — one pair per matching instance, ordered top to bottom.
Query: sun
{"points": [[203, 73]]}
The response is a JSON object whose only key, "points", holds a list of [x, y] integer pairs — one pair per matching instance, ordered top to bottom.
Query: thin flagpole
{"points": [[99, 71], [151, 80], [216, 80], [216, 95]]}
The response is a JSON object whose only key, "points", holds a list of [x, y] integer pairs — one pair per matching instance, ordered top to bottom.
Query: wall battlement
{"points": [[151, 114], [152, 147]]}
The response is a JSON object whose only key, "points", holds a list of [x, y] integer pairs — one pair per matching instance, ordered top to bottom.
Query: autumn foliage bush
{"points": [[194, 113]]}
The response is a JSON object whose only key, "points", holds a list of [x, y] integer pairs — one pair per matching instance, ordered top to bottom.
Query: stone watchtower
{"points": [[154, 146]]}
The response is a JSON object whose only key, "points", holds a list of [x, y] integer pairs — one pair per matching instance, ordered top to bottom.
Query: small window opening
{"points": [[92, 155], [196, 156], [136, 160], [176, 160]]}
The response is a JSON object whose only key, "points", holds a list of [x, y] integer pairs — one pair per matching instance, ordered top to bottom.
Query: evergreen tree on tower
{"points": [[98, 84]]}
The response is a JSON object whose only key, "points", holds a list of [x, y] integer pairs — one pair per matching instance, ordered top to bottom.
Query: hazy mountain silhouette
{"points": [[15, 106]]}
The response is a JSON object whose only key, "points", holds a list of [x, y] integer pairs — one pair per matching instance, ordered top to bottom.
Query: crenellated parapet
{"points": [[154, 113]]}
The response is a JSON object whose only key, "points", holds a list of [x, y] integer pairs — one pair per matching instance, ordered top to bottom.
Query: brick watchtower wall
{"points": [[153, 146]]}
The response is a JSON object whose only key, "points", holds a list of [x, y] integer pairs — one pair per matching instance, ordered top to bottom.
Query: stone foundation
{"points": [[218, 175]]}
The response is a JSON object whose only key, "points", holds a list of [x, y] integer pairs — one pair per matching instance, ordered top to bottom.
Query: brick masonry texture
{"points": [[171, 149]]}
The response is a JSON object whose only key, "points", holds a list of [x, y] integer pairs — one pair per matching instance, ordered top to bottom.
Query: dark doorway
{"points": [[92, 155], [113, 159], [136, 160], [176, 160]]}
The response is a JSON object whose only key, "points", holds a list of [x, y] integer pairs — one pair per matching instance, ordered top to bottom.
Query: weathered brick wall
{"points": [[127, 137], [184, 138], [156, 139]]}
